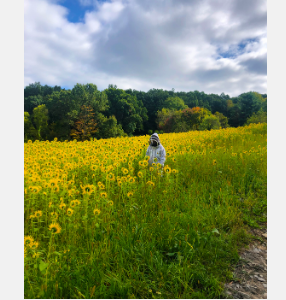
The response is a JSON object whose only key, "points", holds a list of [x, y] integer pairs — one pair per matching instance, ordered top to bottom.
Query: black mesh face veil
{"points": [[154, 141]]}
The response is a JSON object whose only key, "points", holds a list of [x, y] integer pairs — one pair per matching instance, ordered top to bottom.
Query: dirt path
{"points": [[251, 272]]}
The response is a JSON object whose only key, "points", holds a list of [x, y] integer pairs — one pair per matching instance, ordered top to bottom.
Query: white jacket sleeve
{"points": [[148, 152], [162, 158]]}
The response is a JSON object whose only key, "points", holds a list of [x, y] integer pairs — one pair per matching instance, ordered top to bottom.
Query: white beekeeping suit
{"points": [[156, 150]]}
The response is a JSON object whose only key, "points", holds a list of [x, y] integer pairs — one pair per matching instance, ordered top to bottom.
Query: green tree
{"points": [[33, 89], [46, 90], [35, 94], [88, 94], [190, 99], [263, 99], [153, 101], [31, 102], [174, 103], [218, 103], [249, 103], [60, 105], [229, 105], [264, 105], [65, 107], [128, 111], [162, 116], [197, 116], [234, 116], [259, 117], [40, 119], [168, 120], [174, 120], [181, 120], [222, 120], [209, 122], [181, 126], [85, 127], [108, 128], [30, 133]]}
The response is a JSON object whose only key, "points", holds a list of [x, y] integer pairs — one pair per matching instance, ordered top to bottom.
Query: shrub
{"points": [[259, 117], [210, 122]]}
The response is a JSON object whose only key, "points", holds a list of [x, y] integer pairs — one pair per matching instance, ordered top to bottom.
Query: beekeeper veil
{"points": [[154, 140]]}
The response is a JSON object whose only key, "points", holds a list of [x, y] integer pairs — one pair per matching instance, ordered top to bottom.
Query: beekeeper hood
{"points": [[154, 140]]}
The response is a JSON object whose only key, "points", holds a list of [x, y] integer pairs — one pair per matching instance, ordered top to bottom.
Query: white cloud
{"points": [[210, 45]]}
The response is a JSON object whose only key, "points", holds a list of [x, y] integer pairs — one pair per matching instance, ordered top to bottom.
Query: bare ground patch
{"points": [[251, 272]]}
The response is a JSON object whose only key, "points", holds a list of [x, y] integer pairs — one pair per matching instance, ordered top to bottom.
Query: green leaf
{"points": [[215, 231], [171, 254], [43, 266]]}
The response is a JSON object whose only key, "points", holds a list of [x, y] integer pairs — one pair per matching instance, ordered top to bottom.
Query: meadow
{"points": [[99, 223]]}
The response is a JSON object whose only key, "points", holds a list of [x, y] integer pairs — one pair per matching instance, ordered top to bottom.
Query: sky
{"points": [[215, 46]]}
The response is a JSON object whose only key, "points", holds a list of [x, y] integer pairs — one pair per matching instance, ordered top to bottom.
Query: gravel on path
{"points": [[251, 272]]}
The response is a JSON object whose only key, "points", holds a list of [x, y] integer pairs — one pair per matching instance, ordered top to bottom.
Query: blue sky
{"points": [[76, 10], [213, 46], [235, 50]]}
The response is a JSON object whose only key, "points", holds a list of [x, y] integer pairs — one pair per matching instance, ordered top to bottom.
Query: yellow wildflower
{"points": [[96, 211], [69, 212], [55, 228]]}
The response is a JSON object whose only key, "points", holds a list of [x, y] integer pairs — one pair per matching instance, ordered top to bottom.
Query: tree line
{"points": [[84, 112]]}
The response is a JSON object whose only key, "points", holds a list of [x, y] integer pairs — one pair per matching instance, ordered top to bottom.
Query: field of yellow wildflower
{"points": [[99, 223]]}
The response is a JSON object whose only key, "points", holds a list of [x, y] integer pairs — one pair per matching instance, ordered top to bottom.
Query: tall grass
{"points": [[170, 236]]}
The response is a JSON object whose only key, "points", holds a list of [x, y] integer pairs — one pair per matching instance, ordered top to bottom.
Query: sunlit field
{"points": [[99, 223]]}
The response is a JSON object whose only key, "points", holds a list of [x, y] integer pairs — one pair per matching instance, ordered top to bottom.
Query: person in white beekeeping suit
{"points": [[156, 150]]}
